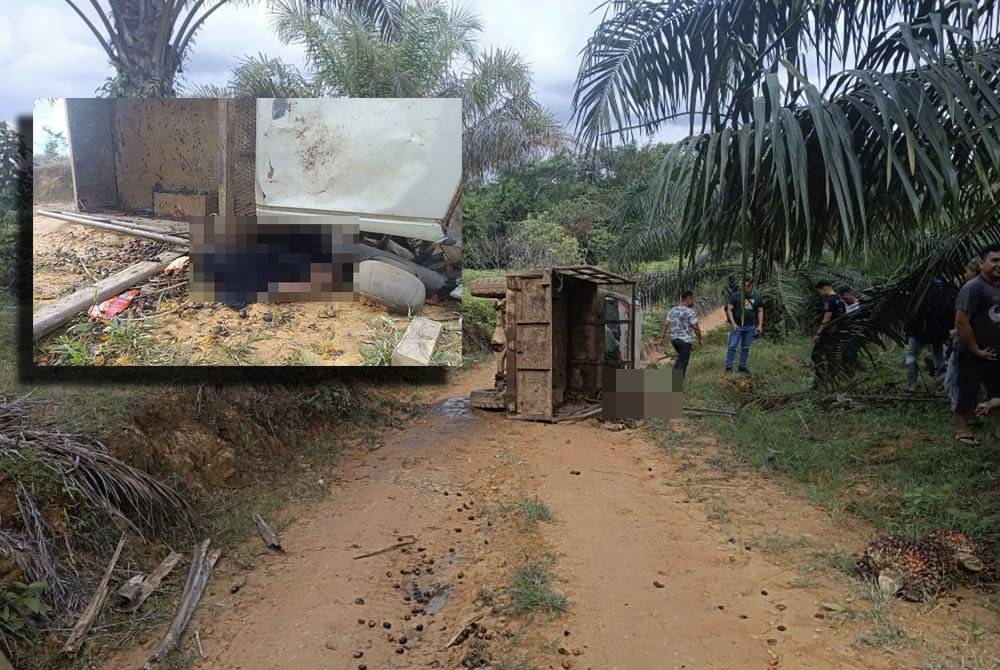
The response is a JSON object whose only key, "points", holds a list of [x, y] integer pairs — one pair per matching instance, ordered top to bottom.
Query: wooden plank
{"points": [[184, 205], [52, 316], [267, 534], [201, 568], [139, 595], [82, 627]]}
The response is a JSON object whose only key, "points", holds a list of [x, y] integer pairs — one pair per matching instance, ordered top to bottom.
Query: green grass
{"points": [[380, 341], [897, 467], [535, 510], [531, 589]]}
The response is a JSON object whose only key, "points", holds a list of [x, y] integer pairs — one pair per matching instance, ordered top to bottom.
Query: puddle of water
{"points": [[454, 407]]}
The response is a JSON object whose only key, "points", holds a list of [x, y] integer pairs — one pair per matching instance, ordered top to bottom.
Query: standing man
{"points": [[833, 308], [745, 314], [977, 320], [930, 325], [682, 326]]}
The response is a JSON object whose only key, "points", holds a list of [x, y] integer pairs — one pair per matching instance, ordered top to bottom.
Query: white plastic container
{"points": [[391, 286]]}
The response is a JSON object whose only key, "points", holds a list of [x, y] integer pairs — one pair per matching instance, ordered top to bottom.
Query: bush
{"points": [[539, 243]]}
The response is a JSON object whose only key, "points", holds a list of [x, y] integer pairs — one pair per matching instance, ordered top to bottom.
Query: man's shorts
{"points": [[974, 372]]}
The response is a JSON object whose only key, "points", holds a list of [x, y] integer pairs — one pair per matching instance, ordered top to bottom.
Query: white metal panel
{"points": [[390, 160]]}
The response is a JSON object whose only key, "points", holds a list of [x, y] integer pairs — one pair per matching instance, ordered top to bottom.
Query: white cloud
{"points": [[47, 51]]}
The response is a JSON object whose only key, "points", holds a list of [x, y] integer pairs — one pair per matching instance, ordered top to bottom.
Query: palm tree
{"points": [[147, 41], [432, 53], [261, 76], [816, 127]]}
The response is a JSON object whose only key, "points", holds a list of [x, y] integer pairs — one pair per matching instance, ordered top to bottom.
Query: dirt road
{"points": [[741, 567]]}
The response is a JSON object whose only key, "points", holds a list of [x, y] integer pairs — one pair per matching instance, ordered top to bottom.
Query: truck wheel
{"points": [[487, 399]]}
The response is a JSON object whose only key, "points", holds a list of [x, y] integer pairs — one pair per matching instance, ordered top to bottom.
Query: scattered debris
{"points": [[178, 265], [114, 306], [418, 342], [583, 414], [269, 536], [404, 543], [201, 568], [136, 594], [86, 620], [464, 631]]}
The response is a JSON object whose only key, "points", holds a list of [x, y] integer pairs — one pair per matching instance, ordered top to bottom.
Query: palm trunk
{"points": [[146, 61]]}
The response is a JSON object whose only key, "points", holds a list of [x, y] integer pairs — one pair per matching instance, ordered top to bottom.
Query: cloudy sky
{"points": [[64, 60]]}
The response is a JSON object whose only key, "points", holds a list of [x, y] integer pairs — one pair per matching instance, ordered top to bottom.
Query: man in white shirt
{"points": [[850, 299], [681, 325]]}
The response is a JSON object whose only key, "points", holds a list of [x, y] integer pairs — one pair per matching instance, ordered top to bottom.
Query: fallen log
{"points": [[50, 317], [269, 536], [388, 549], [201, 567], [137, 595], [90, 614]]}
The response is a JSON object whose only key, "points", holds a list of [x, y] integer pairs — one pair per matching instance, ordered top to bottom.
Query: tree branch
{"points": [[187, 20], [93, 29], [112, 35]]}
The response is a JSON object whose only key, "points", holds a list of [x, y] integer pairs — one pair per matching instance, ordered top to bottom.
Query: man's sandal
{"points": [[968, 439]]}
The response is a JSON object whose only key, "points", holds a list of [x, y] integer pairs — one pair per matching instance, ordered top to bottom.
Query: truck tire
{"points": [[391, 286], [489, 287], [487, 399]]}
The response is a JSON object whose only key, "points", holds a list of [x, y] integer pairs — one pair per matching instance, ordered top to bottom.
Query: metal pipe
{"points": [[126, 222], [125, 230]]}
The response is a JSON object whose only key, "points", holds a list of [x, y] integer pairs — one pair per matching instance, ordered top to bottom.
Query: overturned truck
{"points": [[558, 329]]}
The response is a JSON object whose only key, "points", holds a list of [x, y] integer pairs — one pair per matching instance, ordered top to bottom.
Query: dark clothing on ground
{"points": [[981, 299], [747, 315], [683, 350]]}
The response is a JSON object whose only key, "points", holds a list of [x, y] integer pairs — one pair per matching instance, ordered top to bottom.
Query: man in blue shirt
{"points": [[745, 315]]}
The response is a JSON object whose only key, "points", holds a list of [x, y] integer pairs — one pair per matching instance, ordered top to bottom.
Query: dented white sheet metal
{"points": [[394, 163]]}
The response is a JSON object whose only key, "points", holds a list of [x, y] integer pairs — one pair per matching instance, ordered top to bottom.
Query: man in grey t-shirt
{"points": [[977, 320], [681, 326]]}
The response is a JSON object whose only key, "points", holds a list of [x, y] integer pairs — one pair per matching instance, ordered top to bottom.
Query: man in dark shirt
{"points": [[833, 308], [745, 315], [977, 320], [929, 325]]}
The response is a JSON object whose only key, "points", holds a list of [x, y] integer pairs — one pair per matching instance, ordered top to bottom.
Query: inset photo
{"points": [[243, 232]]}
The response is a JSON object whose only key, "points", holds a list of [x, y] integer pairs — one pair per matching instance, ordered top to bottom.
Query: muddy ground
{"points": [[174, 330], [670, 556]]}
